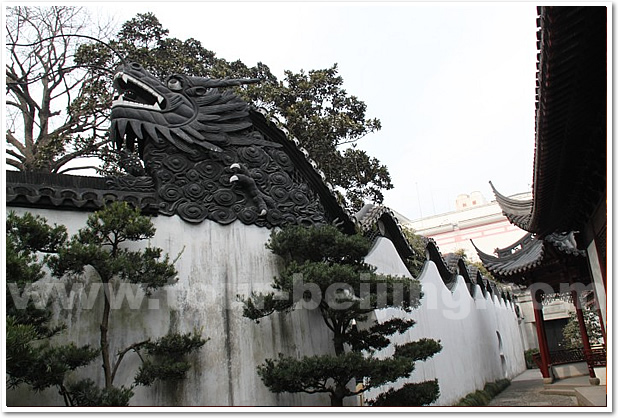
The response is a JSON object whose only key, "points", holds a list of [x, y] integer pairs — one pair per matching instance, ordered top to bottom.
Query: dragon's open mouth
{"points": [[134, 93]]}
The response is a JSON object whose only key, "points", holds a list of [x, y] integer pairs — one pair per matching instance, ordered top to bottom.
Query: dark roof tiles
{"points": [[527, 253]]}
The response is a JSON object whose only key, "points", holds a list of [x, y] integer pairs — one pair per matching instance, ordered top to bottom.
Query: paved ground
{"points": [[525, 390]]}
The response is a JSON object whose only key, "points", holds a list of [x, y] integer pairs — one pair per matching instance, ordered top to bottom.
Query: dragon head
{"points": [[189, 112]]}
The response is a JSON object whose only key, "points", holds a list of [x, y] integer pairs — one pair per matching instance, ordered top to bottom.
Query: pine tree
{"points": [[102, 246], [346, 291], [31, 358]]}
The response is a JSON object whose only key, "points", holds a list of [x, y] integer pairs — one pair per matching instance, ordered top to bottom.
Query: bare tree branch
{"points": [[45, 87], [10, 138], [16, 155], [68, 157], [14, 163], [85, 167], [122, 353]]}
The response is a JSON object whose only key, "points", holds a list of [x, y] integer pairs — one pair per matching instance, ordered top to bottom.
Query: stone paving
{"points": [[525, 390]]}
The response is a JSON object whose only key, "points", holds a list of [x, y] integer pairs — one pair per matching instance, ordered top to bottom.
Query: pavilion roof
{"points": [[530, 257]]}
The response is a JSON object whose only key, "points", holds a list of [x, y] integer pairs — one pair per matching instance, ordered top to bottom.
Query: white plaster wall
{"points": [[217, 263], [467, 328]]}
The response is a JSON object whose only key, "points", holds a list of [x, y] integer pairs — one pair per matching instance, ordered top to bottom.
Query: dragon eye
{"points": [[174, 84]]}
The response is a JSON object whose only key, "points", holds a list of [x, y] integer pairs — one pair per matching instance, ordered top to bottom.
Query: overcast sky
{"points": [[452, 83]]}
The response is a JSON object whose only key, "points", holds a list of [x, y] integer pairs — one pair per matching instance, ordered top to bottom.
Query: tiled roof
{"points": [[54, 191], [518, 212], [369, 218], [527, 254], [521, 260], [452, 265]]}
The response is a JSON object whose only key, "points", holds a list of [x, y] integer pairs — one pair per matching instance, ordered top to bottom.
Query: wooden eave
{"points": [[570, 159]]}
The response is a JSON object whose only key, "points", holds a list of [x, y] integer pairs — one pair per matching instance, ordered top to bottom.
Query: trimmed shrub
{"points": [[530, 364], [411, 394], [483, 397]]}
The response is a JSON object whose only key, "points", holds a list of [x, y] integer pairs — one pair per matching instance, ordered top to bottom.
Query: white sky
{"points": [[452, 83]]}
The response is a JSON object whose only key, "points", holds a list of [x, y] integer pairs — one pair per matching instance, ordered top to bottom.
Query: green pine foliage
{"points": [[415, 263], [324, 269], [529, 356], [31, 358], [167, 358], [315, 373], [87, 393], [410, 394]]}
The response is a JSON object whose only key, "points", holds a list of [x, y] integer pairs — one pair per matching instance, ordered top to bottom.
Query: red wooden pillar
{"points": [[540, 333], [584, 333]]}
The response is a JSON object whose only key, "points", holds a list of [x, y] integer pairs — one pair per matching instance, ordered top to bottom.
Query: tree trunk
{"points": [[338, 343], [107, 367], [335, 400]]}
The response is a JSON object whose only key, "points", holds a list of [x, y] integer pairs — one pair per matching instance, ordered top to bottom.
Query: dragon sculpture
{"points": [[203, 153]]}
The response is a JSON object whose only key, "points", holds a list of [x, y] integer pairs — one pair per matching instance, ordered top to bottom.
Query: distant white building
{"points": [[464, 201], [474, 219]]}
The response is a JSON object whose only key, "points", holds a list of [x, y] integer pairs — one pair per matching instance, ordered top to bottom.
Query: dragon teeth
{"points": [[126, 103], [121, 125], [136, 126], [150, 130]]}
